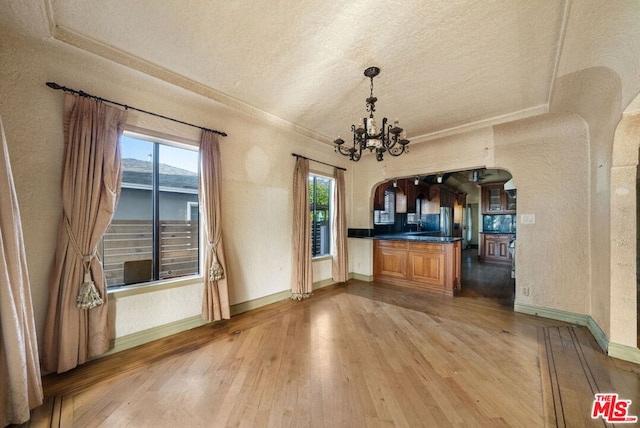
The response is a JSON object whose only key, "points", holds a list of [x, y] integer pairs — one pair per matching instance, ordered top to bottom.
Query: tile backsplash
{"points": [[504, 223]]}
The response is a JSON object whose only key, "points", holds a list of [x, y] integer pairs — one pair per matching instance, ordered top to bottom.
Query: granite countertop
{"points": [[496, 232], [417, 236]]}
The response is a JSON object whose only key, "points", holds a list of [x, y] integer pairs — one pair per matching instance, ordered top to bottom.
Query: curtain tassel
{"points": [[216, 273], [88, 296], [300, 296]]}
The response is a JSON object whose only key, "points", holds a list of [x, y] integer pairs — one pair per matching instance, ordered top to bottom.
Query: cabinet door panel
{"points": [[494, 199], [490, 248], [504, 249], [391, 262], [427, 268]]}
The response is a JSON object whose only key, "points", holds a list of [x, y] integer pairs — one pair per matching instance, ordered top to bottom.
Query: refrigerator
{"points": [[446, 221], [467, 227]]}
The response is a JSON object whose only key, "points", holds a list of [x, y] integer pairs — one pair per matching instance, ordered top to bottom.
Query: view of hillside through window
{"points": [[154, 233]]}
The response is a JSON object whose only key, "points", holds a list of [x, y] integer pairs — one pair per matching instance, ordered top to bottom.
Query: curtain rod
{"points": [[57, 87], [324, 163]]}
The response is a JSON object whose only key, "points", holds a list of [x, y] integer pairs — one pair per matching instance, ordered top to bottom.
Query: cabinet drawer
{"points": [[391, 244], [426, 246]]}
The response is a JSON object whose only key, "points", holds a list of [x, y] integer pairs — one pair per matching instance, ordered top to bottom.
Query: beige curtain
{"points": [[340, 266], [302, 276], [215, 303], [76, 326], [20, 387]]}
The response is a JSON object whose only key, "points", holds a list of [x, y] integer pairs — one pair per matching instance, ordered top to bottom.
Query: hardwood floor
{"points": [[486, 280], [359, 354], [574, 369]]}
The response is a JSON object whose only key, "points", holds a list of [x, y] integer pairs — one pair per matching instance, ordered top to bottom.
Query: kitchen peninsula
{"points": [[419, 260]]}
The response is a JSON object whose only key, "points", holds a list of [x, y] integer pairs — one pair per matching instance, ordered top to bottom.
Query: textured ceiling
{"points": [[446, 66]]}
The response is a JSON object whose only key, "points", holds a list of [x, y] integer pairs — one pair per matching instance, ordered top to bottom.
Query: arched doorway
{"points": [[473, 205], [624, 310]]}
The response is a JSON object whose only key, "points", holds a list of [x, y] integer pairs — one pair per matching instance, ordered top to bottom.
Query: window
{"points": [[320, 204], [386, 216], [154, 233]]}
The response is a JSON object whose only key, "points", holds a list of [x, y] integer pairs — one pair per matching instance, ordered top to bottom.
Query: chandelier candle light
{"points": [[390, 138]]}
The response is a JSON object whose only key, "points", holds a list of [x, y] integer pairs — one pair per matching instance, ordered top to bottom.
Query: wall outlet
{"points": [[527, 218], [525, 291]]}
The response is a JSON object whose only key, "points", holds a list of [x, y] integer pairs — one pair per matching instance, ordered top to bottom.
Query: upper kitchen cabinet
{"points": [[406, 193], [495, 200]]}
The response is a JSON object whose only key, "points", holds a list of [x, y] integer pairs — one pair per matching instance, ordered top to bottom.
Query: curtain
{"points": [[340, 265], [302, 284], [215, 303], [76, 327], [21, 388]]}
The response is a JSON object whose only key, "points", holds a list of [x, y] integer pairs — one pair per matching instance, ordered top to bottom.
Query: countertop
{"points": [[492, 232], [416, 236]]}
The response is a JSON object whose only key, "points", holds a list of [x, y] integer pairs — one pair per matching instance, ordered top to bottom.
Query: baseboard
{"points": [[360, 277], [323, 283], [259, 302], [569, 317], [598, 334], [135, 339], [624, 352]]}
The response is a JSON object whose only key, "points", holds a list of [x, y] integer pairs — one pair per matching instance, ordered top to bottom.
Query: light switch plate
{"points": [[527, 218]]}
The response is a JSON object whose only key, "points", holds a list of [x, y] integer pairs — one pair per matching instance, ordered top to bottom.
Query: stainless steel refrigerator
{"points": [[446, 221]]}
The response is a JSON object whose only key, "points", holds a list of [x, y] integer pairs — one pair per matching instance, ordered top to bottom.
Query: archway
{"points": [[479, 209], [623, 340]]}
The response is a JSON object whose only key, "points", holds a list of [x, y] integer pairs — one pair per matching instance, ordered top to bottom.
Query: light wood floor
{"points": [[360, 354]]}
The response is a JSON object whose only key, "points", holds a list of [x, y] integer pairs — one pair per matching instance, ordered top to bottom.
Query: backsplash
{"points": [[430, 223], [503, 223]]}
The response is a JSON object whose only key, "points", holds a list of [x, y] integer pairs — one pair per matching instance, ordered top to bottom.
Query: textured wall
{"points": [[548, 158], [562, 160], [257, 173]]}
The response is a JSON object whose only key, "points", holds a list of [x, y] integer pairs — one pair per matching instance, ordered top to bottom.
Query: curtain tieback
{"points": [[216, 273], [88, 295]]}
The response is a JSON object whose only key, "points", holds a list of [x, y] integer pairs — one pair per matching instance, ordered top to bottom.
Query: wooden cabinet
{"points": [[495, 200], [494, 247], [391, 259], [432, 266]]}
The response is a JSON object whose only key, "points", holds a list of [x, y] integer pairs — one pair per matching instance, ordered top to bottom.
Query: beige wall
{"points": [[561, 162], [257, 174]]}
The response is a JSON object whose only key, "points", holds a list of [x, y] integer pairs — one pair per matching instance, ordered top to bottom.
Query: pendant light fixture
{"points": [[366, 135]]}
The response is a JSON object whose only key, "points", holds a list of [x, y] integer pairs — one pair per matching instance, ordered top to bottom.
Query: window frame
{"points": [[158, 139], [389, 208], [329, 210]]}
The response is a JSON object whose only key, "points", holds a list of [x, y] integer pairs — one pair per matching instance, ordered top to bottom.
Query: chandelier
{"points": [[389, 138]]}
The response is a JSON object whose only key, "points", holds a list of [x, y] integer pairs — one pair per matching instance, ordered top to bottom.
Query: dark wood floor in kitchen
{"points": [[486, 280]]}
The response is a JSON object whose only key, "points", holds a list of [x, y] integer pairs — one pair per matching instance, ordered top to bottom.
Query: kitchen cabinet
{"points": [[410, 192], [495, 200], [494, 247], [424, 265]]}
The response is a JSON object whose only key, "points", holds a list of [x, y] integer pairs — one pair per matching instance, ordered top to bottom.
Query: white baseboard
{"points": [[569, 317]]}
